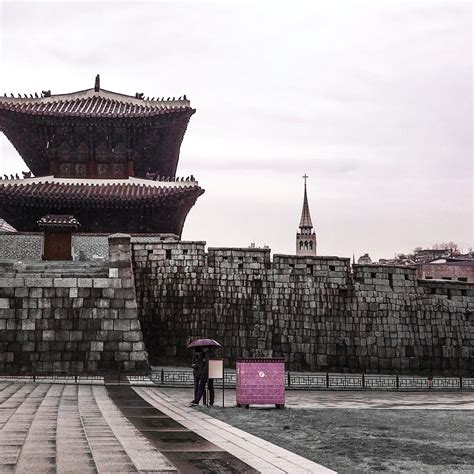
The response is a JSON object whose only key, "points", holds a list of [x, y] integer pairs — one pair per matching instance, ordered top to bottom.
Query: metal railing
{"points": [[173, 377], [293, 380]]}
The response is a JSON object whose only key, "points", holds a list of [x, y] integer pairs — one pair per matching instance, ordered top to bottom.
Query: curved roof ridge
{"points": [[102, 93], [131, 181]]}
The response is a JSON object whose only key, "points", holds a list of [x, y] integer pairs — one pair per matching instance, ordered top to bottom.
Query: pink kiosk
{"points": [[260, 381]]}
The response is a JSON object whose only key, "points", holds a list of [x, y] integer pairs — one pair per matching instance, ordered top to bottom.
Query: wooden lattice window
{"points": [[82, 152], [63, 153], [102, 153], [120, 153]]}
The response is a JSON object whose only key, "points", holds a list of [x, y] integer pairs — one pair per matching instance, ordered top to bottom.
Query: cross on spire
{"points": [[305, 177]]}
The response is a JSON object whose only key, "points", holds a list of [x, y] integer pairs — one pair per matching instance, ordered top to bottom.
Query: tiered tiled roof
{"points": [[93, 103], [97, 192]]}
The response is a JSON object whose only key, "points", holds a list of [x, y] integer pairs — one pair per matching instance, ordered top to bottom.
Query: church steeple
{"points": [[305, 221], [305, 237]]}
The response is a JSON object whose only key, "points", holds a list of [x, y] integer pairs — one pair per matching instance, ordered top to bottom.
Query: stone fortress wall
{"points": [[27, 246], [316, 312], [71, 316]]}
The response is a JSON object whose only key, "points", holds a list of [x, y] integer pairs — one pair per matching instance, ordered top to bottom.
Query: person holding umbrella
{"points": [[200, 367]]}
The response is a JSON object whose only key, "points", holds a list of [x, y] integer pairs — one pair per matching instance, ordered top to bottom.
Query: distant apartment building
{"points": [[447, 269]]}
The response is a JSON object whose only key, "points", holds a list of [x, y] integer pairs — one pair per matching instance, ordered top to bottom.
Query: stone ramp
{"points": [[188, 451], [259, 454]]}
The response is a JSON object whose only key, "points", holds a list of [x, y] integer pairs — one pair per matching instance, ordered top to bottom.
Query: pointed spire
{"points": [[97, 83], [305, 221]]}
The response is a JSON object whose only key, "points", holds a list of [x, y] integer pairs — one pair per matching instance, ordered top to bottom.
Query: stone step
{"points": [[74, 265], [59, 271], [104, 274]]}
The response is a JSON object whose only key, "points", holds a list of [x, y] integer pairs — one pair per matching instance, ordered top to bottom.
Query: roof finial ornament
{"points": [[97, 83], [305, 177]]}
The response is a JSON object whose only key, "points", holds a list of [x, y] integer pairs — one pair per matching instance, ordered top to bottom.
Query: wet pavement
{"points": [[357, 399], [59, 428], [66, 428], [187, 451]]}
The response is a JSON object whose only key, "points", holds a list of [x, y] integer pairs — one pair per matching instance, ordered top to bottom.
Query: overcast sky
{"points": [[373, 100]]}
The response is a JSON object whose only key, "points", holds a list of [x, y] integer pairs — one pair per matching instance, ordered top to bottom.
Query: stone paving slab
{"points": [[261, 455]]}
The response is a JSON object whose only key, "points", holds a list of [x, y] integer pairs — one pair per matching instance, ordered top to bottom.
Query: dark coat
{"points": [[200, 364]]}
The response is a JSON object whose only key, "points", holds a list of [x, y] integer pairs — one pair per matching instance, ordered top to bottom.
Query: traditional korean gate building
{"points": [[108, 159]]}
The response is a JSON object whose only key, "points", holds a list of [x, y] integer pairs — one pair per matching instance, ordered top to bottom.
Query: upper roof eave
{"points": [[101, 93]]}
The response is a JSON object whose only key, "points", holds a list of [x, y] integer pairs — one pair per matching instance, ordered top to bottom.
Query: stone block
{"points": [[113, 272], [12, 282], [39, 282], [65, 282], [84, 282], [100, 282], [127, 283], [21, 292], [35, 292], [109, 292], [78, 302], [4, 303], [103, 303], [117, 303], [128, 313], [28, 325], [107, 325], [121, 325], [48, 335], [133, 336], [97, 346], [125, 346], [138, 355]]}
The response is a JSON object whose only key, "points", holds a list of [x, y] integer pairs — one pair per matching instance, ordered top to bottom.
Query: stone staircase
{"points": [[54, 269]]}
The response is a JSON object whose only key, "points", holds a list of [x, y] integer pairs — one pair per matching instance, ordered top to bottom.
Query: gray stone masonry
{"points": [[28, 246], [317, 312], [71, 316]]}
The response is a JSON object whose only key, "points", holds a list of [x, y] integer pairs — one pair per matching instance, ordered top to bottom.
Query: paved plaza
{"points": [[360, 399], [57, 427], [47, 428], [365, 431]]}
